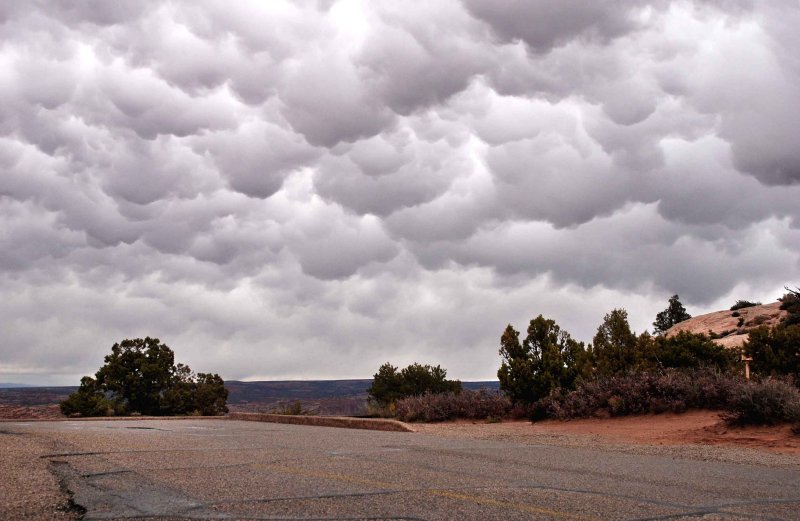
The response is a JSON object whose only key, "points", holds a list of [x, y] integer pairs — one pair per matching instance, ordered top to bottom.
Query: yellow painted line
{"points": [[480, 500]]}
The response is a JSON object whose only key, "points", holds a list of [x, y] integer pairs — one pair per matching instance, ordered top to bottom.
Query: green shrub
{"points": [[790, 302], [741, 304], [692, 351], [775, 351], [390, 385], [88, 400]]}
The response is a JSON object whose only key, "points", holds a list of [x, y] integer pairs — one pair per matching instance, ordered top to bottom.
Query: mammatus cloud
{"points": [[309, 189]]}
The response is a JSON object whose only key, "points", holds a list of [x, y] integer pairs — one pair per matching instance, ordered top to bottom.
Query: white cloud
{"points": [[310, 189]]}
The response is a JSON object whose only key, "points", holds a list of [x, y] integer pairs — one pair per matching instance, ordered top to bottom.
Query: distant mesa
{"points": [[730, 328]]}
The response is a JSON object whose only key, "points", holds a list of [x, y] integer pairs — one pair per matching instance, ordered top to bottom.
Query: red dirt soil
{"points": [[14, 412], [694, 427], [702, 427]]}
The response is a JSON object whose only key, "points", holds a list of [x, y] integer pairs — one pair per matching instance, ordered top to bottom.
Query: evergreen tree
{"points": [[790, 302], [674, 314], [615, 345], [690, 351], [775, 351], [549, 358], [516, 370], [139, 376], [390, 385]]}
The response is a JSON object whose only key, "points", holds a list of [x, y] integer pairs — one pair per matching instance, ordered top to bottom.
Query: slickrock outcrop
{"points": [[730, 328]]}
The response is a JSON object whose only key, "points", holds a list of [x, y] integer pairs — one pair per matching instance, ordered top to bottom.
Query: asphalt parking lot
{"points": [[224, 469]]}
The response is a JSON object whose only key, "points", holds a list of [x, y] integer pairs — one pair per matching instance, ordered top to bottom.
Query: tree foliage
{"points": [[791, 302], [673, 314], [615, 345], [691, 351], [775, 351], [549, 358], [140, 376], [390, 384], [88, 400]]}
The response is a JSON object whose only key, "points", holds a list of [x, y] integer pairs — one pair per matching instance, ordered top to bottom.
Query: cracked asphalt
{"points": [[223, 469]]}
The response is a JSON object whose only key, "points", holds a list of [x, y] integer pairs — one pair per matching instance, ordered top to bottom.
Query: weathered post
{"points": [[746, 359]]}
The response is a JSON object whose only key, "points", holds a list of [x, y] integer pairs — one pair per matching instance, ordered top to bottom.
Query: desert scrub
{"points": [[742, 304], [641, 393], [745, 402], [764, 403], [475, 405]]}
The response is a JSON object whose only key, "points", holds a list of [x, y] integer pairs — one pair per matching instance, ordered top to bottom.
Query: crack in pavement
{"points": [[146, 451], [144, 469], [103, 497], [136, 497]]}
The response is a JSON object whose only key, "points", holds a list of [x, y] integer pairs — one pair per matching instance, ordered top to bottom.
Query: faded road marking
{"points": [[470, 498]]}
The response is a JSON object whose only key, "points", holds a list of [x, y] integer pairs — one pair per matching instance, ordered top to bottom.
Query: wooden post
{"points": [[746, 360]]}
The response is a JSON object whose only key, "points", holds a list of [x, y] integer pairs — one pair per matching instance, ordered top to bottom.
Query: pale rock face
{"points": [[726, 325]]}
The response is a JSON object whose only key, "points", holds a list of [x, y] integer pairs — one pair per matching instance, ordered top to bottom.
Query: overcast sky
{"points": [[309, 189]]}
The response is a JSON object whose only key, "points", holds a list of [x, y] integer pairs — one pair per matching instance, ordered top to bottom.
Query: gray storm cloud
{"points": [[308, 189]]}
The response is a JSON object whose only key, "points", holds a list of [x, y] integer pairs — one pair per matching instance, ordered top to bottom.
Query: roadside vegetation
{"points": [[549, 374], [140, 377], [391, 384], [484, 404]]}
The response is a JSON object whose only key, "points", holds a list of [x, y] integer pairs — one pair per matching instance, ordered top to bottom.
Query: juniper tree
{"points": [[674, 314], [615, 346], [547, 359], [140, 376], [390, 385]]}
